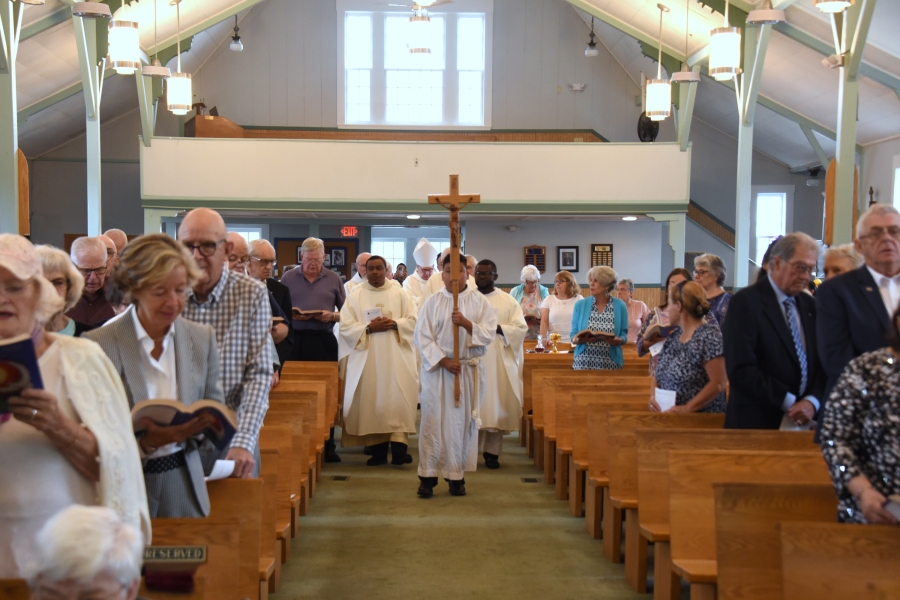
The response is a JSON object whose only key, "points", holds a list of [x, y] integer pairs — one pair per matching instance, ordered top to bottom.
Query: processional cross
{"points": [[454, 202]]}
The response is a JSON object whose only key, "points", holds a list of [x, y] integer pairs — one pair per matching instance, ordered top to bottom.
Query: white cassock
{"points": [[355, 281], [436, 284], [415, 285], [381, 383], [501, 409], [448, 436]]}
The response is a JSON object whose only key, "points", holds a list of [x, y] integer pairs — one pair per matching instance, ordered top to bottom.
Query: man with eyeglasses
{"points": [[112, 253], [240, 253], [91, 260], [261, 266], [360, 274], [314, 288], [237, 307], [855, 308], [777, 380]]}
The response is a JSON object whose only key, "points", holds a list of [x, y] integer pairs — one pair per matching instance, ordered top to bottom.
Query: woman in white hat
{"points": [[70, 442]]}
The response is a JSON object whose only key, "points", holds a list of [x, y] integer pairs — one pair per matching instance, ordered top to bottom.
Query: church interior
{"points": [[625, 145]]}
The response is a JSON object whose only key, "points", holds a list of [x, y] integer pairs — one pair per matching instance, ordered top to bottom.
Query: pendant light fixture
{"points": [[32, 2], [832, 6], [91, 10], [766, 15], [419, 30], [124, 44], [236, 44], [591, 49], [725, 50], [156, 69], [686, 75], [178, 85], [659, 90]]}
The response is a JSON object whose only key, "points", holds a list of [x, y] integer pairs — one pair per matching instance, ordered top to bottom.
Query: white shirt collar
{"points": [[879, 276], [781, 296], [144, 338]]}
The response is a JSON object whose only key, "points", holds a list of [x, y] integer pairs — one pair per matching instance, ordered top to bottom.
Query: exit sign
{"points": [[349, 231]]}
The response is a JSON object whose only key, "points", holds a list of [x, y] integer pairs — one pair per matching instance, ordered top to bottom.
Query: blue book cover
{"points": [[18, 368]]}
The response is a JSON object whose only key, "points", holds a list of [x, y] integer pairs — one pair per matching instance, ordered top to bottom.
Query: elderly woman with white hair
{"points": [[841, 259], [709, 272], [68, 282], [530, 294], [599, 324], [71, 441], [87, 552]]}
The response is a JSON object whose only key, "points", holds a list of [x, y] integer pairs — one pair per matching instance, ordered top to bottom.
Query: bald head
{"points": [[204, 220], [203, 232], [119, 238], [240, 252], [112, 253], [361, 263]]}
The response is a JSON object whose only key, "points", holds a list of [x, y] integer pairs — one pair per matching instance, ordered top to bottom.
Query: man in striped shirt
{"points": [[237, 307]]}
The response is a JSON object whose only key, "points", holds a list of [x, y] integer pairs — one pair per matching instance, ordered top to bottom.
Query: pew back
{"points": [[532, 362], [318, 371], [313, 390], [597, 427], [280, 438], [241, 499]]}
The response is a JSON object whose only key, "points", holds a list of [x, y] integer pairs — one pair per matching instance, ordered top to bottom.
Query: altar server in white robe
{"points": [[425, 255], [360, 267], [436, 282], [381, 382], [501, 409], [448, 435]]}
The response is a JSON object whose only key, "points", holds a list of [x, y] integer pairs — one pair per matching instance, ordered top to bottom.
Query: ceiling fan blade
{"points": [[440, 2]]}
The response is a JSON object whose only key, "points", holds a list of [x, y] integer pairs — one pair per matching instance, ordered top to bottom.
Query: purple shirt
{"points": [[325, 292]]}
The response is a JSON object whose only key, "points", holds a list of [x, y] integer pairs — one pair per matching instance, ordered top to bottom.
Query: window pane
{"points": [[358, 41], [470, 43], [396, 44], [358, 96], [471, 96], [414, 97], [896, 187], [770, 215], [762, 244], [393, 251]]}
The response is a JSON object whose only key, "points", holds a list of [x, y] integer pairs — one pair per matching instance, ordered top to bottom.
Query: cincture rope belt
{"points": [[474, 362]]}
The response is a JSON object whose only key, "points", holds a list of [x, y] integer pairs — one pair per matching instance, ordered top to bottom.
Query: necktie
{"points": [[789, 307]]}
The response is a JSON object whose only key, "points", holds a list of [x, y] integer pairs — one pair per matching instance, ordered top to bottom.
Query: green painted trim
{"points": [[46, 22], [110, 161], [335, 205], [712, 216]]}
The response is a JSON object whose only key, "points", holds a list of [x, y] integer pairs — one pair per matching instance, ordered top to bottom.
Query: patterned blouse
{"points": [[718, 306], [531, 309], [664, 311], [596, 354], [680, 368], [861, 429]]}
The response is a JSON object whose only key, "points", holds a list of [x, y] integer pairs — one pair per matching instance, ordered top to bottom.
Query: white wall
{"points": [[287, 74], [878, 169], [636, 246]]}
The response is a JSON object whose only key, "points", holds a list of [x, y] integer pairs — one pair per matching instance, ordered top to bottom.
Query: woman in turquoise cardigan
{"points": [[603, 314]]}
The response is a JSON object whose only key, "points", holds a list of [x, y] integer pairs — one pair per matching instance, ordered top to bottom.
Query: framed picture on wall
{"points": [[337, 257], [567, 258]]}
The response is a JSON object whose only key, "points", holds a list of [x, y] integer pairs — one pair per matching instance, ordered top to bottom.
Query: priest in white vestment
{"points": [[425, 255], [360, 275], [381, 383], [501, 408], [448, 435]]}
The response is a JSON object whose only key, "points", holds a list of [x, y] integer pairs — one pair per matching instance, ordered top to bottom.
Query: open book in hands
{"points": [[587, 336], [173, 412]]}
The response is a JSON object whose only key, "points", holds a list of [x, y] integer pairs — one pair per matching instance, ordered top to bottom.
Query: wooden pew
{"points": [[538, 363], [320, 371], [290, 389], [299, 414], [280, 438], [623, 474], [653, 481], [241, 499], [692, 514], [748, 539], [269, 544], [839, 561], [220, 576], [14, 589]]}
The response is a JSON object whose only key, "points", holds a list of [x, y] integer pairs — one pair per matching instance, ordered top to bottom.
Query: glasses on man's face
{"points": [[876, 233], [207, 249], [110, 253], [240, 260], [265, 262], [801, 269], [99, 271], [485, 273]]}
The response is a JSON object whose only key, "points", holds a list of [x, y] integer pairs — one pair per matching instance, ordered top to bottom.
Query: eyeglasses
{"points": [[877, 232], [206, 248], [110, 252], [239, 260], [312, 261], [265, 262], [801, 269], [99, 271], [700, 272], [485, 273], [560, 281]]}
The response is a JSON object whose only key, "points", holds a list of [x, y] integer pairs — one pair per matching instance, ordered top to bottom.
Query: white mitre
{"points": [[424, 253]]}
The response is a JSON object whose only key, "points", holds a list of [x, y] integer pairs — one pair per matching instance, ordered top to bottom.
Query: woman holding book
{"points": [[599, 324], [652, 334], [160, 355], [690, 375], [64, 439]]}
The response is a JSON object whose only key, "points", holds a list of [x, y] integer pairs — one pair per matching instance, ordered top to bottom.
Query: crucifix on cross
{"points": [[454, 202]]}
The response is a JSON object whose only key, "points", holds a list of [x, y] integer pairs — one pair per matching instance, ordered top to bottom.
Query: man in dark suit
{"points": [[261, 265], [855, 308], [770, 343]]}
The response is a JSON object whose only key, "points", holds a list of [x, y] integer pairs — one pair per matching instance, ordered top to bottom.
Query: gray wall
{"points": [[878, 169]]}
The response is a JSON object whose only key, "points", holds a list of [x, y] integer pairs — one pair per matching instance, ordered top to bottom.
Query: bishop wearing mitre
{"points": [[425, 254], [381, 382], [501, 408], [448, 436]]}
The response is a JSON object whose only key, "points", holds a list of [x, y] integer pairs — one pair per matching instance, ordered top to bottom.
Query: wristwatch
{"points": [[368, 329]]}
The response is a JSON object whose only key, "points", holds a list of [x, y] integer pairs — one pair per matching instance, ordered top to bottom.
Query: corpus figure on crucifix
{"points": [[455, 327]]}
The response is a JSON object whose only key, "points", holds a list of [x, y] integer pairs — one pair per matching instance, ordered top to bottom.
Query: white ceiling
{"points": [[793, 75]]}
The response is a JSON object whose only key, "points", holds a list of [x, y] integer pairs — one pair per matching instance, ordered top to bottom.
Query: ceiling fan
{"points": [[419, 5]]}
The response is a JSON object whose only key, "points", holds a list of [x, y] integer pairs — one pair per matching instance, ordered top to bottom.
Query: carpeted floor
{"points": [[371, 537]]}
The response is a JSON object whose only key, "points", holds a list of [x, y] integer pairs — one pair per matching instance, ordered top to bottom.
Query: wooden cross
{"points": [[454, 202]]}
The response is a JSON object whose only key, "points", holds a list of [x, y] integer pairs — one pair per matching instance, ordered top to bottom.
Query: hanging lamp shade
{"points": [[32, 2], [832, 6], [91, 10], [766, 15], [419, 30], [124, 47], [725, 52], [155, 70], [178, 93], [659, 99]]}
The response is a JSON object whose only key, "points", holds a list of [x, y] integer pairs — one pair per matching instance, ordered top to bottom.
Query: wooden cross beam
{"points": [[454, 202]]}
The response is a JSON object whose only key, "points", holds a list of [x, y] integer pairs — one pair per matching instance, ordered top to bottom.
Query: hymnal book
{"points": [[305, 313], [372, 314], [277, 320], [662, 328], [587, 335], [18, 368], [173, 412], [892, 505]]}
